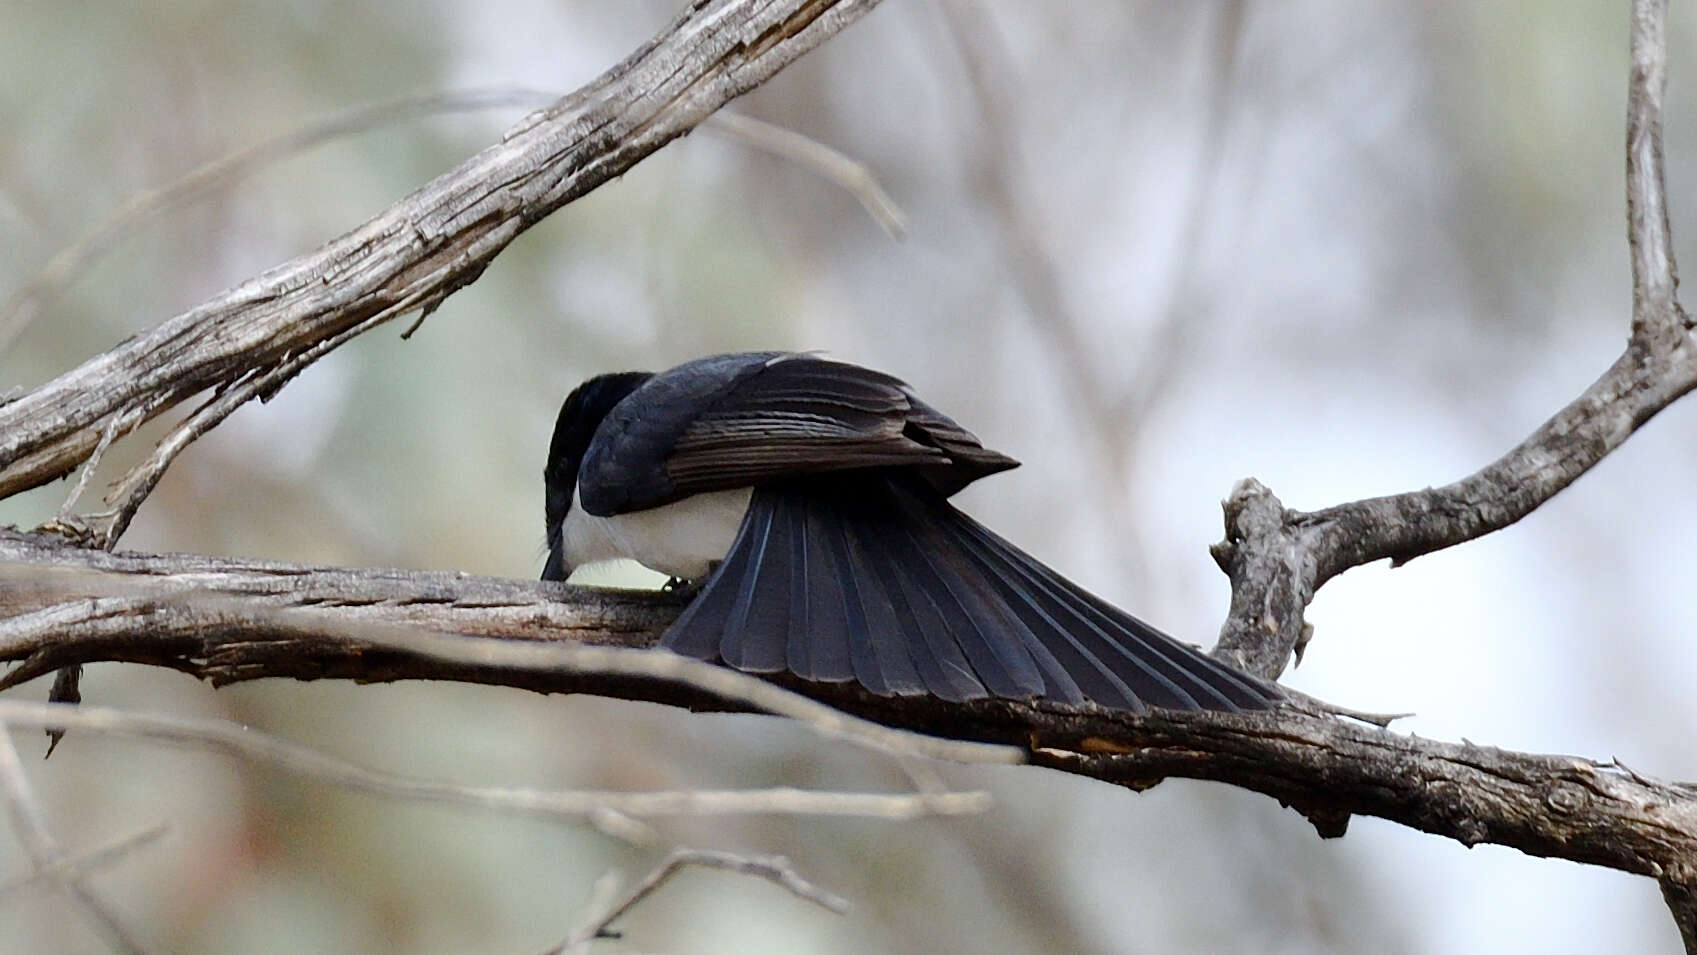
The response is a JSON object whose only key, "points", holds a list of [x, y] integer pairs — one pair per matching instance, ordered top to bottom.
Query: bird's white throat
{"points": [[681, 539]]}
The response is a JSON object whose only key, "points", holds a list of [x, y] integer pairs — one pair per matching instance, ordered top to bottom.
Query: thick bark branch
{"points": [[427, 246], [64, 605]]}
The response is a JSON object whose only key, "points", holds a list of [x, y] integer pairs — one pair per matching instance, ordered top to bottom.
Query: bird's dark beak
{"points": [[556, 568]]}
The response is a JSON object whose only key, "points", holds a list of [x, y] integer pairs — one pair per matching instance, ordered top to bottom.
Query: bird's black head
{"points": [[582, 413]]}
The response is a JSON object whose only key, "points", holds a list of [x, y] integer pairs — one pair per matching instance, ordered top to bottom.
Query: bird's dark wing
{"points": [[748, 419]]}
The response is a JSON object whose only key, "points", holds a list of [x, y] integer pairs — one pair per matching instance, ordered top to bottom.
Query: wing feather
{"points": [[757, 418]]}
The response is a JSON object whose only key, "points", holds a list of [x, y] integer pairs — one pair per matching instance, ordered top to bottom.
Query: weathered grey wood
{"points": [[428, 245], [1278, 558], [61, 604]]}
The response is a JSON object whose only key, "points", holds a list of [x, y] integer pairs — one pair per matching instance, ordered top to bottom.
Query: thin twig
{"points": [[851, 174], [75, 259], [1182, 318], [1116, 404], [127, 495], [67, 509], [718, 681], [574, 806], [29, 821], [82, 864], [774, 869]]}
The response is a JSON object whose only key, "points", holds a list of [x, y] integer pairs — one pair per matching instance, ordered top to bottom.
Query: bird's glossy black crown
{"points": [[583, 411]]}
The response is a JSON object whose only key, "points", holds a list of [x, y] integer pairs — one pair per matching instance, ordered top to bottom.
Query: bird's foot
{"points": [[683, 587], [687, 588]]}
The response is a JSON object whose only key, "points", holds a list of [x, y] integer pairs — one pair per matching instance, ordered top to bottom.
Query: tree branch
{"points": [[426, 246], [23, 305], [1278, 558], [63, 605], [228, 621], [613, 812], [42, 847], [82, 864], [774, 869]]}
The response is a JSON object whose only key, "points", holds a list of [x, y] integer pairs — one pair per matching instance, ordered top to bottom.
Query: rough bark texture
{"points": [[428, 245], [63, 605], [227, 621]]}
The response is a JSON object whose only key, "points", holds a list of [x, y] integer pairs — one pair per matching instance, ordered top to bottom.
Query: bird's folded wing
{"points": [[745, 420]]}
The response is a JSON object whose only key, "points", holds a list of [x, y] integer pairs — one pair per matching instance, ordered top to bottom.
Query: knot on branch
{"points": [[1272, 578]]}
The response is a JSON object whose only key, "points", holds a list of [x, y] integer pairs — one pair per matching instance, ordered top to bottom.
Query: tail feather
{"points": [[877, 578], [973, 614], [758, 623], [923, 629], [821, 632], [878, 644], [1117, 659]]}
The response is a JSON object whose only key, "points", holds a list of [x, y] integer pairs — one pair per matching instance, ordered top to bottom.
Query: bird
{"points": [[804, 502]]}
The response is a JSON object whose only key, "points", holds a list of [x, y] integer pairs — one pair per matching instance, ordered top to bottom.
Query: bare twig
{"points": [[849, 173], [73, 260], [28, 301], [1116, 405], [127, 495], [68, 509], [573, 806], [30, 823], [82, 864], [774, 869]]}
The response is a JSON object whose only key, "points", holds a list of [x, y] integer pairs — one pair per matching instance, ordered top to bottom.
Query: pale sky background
{"points": [[1404, 250]]}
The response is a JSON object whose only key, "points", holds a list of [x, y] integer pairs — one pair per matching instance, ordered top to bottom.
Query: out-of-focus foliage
{"points": [[1407, 251]]}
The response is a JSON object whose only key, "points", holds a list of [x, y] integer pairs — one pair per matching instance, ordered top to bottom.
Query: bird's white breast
{"points": [[682, 539]]}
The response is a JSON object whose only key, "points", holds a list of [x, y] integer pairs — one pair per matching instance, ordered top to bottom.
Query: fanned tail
{"points": [[874, 577]]}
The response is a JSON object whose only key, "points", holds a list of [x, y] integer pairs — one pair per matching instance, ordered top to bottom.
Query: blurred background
{"points": [[1153, 248]]}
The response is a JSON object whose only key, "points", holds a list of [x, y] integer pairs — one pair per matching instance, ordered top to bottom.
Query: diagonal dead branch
{"points": [[433, 242], [30, 299]]}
